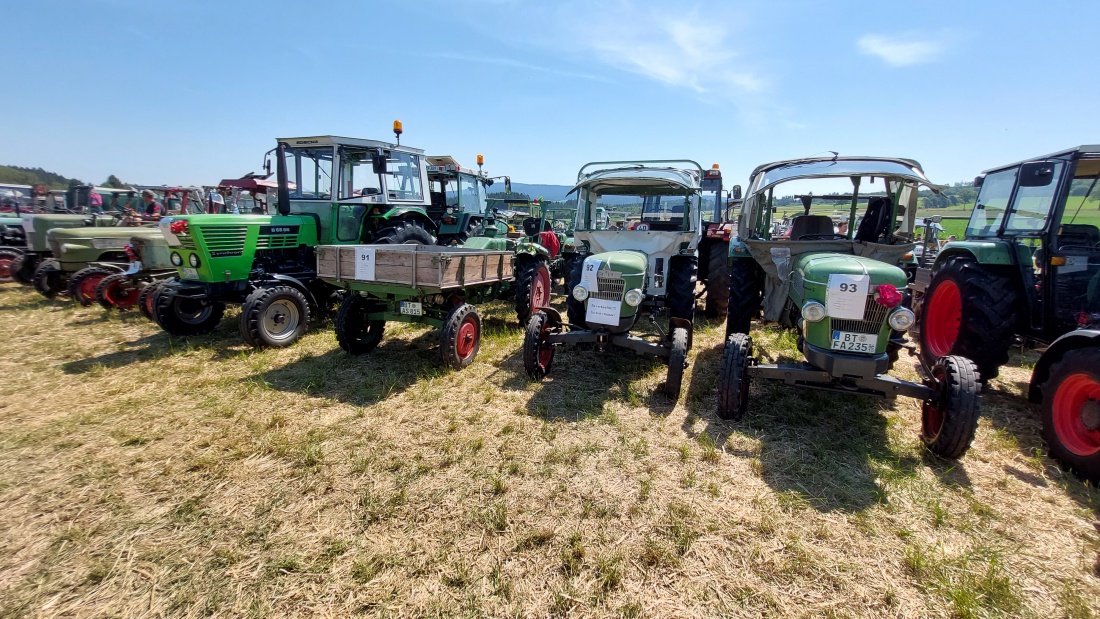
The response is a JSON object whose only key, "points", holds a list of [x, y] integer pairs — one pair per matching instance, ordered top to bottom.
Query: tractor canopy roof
{"points": [[335, 140], [1085, 150], [771, 174], [638, 178]]}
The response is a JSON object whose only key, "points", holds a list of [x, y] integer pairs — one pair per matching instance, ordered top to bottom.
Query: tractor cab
{"points": [[459, 200]]}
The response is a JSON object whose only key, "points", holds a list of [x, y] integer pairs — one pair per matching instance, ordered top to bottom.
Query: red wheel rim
{"points": [[5, 268], [88, 285], [540, 289], [122, 300], [149, 302], [943, 316], [466, 341], [546, 352], [1075, 393], [931, 415]]}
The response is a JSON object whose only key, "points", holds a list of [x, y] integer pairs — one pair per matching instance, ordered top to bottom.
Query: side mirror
{"points": [[378, 162], [1036, 174], [978, 180], [489, 182], [507, 185], [736, 191], [936, 219]]}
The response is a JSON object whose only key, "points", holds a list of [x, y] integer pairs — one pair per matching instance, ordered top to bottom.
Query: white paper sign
{"points": [[28, 223], [364, 263], [1074, 264], [588, 275], [846, 296], [603, 312]]}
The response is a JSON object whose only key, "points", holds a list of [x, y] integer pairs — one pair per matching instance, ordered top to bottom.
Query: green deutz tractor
{"points": [[332, 190], [458, 205], [1029, 270], [627, 275], [842, 290]]}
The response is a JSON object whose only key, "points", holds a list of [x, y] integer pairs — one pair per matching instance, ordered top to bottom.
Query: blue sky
{"points": [[184, 92]]}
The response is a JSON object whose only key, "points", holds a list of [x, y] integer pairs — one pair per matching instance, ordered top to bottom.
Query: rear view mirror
{"points": [[378, 162], [1036, 174], [978, 181], [736, 192]]}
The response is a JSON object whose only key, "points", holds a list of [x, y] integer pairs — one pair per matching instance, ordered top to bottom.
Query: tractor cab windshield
{"points": [[309, 172], [464, 194], [663, 199]]}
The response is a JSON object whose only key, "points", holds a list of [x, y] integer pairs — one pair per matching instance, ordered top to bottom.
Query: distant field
{"points": [[143, 475]]}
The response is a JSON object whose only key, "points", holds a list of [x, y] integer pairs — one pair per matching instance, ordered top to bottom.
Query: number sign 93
{"points": [[846, 296]]}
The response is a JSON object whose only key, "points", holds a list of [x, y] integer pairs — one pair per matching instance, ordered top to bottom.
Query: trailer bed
{"points": [[426, 268]]}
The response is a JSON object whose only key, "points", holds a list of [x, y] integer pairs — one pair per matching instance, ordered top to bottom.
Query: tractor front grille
{"points": [[224, 238], [278, 241], [187, 242], [610, 288], [873, 316]]}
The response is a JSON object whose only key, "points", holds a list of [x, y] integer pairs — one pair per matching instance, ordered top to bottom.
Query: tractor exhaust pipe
{"points": [[280, 172]]}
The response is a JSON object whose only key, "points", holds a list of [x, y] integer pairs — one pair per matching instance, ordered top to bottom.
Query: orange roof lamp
{"points": [[397, 131], [480, 162]]}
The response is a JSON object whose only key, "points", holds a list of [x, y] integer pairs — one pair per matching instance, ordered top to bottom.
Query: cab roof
{"points": [[335, 140], [1087, 150], [771, 174], [627, 178]]}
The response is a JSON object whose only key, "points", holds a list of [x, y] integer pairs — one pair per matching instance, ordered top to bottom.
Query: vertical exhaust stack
{"points": [[284, 187]]}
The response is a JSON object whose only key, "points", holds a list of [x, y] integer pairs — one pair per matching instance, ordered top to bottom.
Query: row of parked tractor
{"points": [[378, 232]]}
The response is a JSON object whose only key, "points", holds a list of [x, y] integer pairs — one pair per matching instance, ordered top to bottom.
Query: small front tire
{"points": [[47, 279], [183, 316], [274, 317], [355, 332], [460, 338], [538, 353], [677, 361], [733, 377], [949, 419]]}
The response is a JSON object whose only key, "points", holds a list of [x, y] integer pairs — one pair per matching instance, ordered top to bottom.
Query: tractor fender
{"points": [[409, 213], [533, 249], [984, 252], [107, 265], [289, 281], [555, 315], [681, 322], [1080, 338]]}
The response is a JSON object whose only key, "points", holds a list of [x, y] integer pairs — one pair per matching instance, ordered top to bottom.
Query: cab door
{"points": [[1074, 265]]}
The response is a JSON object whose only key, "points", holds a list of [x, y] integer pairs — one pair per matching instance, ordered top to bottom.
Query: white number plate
{"points": [[189, 273], [409, 308], [854, 342]]}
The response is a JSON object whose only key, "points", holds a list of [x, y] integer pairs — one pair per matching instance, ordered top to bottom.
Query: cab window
{"points": [[309, 171], [357, 177], [403, 181], [471, 199], [991, 204], [1031, 205]]}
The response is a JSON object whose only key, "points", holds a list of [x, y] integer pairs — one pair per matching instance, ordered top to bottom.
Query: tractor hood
{"points": [[66, 235], [626, 262], [816, 268]]}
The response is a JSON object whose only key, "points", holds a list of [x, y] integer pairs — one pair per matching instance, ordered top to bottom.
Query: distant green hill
{"points": [[33, 176]]}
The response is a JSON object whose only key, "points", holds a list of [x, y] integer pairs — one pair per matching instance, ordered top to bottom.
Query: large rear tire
{"points": [[404, 232], [7, 259], [47, 279], [718, 280], [82, 285], [681, 287], [532, 288], [118, 291], [746, 294], [970, 312], [182, 316], [274, 316], [355, 333], [460, 338], [538, 353], [677, 361], [733, 377], [1071, 412], [950, 419]]}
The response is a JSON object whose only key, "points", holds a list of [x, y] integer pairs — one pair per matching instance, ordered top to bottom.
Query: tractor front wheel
{"points": [[7, 259], [22, 269], [47, 279], [718, 280], [82, 285], [681, 287], [532, 288], [117, 290], [146, 298], [183, 316], [275, 316], [357, 334], [460, 337], [538, 353], [677, 361], [733, 377], [1071, 412], [950, 418]]}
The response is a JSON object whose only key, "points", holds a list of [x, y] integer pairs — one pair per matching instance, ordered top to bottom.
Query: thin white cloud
{"points": [[901, 51], [508, 62]]}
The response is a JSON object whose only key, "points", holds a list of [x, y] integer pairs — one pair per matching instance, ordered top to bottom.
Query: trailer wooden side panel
{"points": [[415, 266]]}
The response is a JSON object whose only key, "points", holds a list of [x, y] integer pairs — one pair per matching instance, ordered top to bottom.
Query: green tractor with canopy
{"points": [[840, 285]]}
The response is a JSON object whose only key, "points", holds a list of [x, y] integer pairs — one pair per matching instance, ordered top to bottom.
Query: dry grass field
{"points": [[142, 475]]}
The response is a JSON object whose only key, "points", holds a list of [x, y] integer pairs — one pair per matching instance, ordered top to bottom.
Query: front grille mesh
{"points": [[224, 238], [281, 241], [610, 289], [873, 316]]}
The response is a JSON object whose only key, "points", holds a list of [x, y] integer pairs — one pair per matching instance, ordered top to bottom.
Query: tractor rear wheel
{"points": [[473, 228], [404, 232], [7, 259], [568, 263], [22, 269], [47, 279], [718, 280], [82, 285], [681, 287], [532, 288], [118, 291], [746, 293], [146, 299], [574, 309], [970, 312], [183, 316], [274, 316], [355, 333], [460, 337], [538, 354], [677, 361], [733, 377], [1071, 412], [950, 418]]}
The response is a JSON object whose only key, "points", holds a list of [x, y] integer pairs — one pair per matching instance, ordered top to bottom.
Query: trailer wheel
{"points": [[404, 232], [7, 259], [22, 269], [47, 279], [718, 280], [82, 285], [681, 287], [532, 288], [117, 290], [746, 294], [146, 299], [574, 309], [183, 316], [274, 316], [354, 332], [460, 337], [538, 353], [677, 361], [733, 377], [1071, 412], [950, 418]]}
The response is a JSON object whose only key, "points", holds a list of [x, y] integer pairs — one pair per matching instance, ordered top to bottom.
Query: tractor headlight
{"points": [[176, 259], [193, 260], [580, 293], [633, 297], [813, 311], [902, 319]]}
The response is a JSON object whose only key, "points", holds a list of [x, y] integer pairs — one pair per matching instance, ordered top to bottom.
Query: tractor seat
{"points": [[531, 226], [811, 226], [1078, 235]]}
